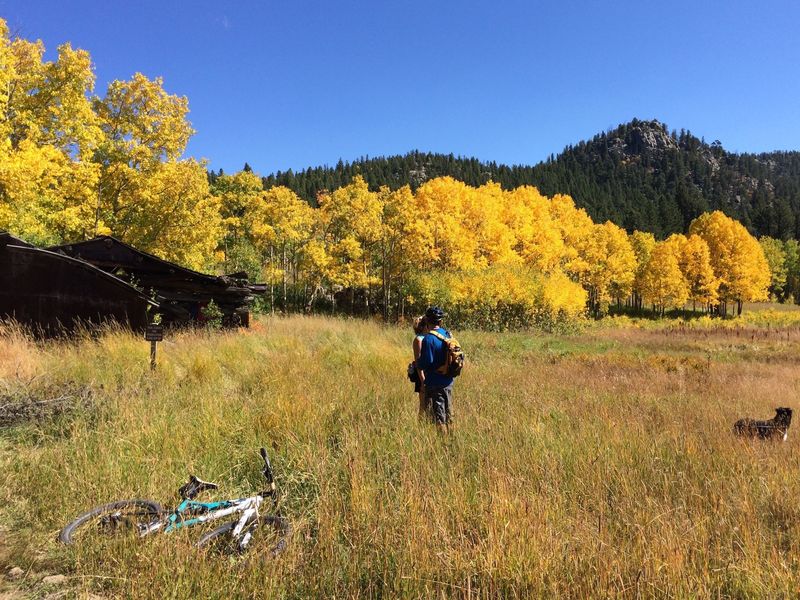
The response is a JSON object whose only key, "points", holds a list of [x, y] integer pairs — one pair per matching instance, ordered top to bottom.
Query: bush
{"points": [[212, 315]]}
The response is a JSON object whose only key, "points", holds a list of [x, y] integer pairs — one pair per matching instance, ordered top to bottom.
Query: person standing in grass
{"points": [[420, 329], [432, 357]]}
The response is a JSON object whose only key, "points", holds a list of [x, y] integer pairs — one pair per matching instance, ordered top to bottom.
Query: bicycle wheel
{"points": [[114, 518], [221, 539]]}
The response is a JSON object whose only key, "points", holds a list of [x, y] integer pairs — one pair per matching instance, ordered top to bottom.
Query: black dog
{"points": [[776, 426]]}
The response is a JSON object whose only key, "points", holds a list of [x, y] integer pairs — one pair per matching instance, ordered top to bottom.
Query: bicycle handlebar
{"points": [[267, 471]]}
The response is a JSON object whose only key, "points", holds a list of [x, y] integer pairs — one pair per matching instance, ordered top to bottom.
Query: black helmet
{"points": [[434, 314]]}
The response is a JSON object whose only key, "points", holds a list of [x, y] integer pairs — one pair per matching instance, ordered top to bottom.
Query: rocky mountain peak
{"points": [[652, 135], [641, 137]]}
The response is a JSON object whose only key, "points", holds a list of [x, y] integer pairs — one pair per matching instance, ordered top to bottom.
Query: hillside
{"points": [[641, 175]]}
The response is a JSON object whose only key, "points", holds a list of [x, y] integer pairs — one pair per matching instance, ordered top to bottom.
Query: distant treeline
{"points": [[639, 175]]}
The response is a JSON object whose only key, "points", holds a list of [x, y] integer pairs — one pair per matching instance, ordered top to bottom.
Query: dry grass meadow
{"points": [[597, 464]]}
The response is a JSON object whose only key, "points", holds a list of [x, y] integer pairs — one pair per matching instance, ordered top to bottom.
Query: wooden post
{"points": [[153, 334]]}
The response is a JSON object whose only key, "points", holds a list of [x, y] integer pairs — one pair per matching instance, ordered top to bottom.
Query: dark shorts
{"points": [[440, 399]]}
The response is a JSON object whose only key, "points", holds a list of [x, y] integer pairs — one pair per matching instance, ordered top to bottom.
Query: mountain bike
{"points": [[146, 517]]}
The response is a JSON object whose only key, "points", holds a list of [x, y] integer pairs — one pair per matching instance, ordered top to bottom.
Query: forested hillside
{"points": [[640, 175]]}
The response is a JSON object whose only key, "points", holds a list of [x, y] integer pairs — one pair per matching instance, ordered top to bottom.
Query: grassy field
{"points": [[599, 464]]}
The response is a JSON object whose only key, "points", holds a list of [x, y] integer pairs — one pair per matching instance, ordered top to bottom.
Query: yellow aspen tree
{"points": [[61, 106], [143, 126], [48, 133], [142, 174], [238, 196], [442, 203], [355, 211], [483, 217], [183, 222], [280, 224], [351, 224], [576, 229], [537, 237], [406, 242], [642, 243], [599, 257], [736, 257], [619, 261], [695, 262], [610, 264], [318, 268], [663, 283], [565, 299]]}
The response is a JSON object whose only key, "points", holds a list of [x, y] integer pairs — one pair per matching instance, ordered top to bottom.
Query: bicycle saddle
{"points": [[194, 486]]}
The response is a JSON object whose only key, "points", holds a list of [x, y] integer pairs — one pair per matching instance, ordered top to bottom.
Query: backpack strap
{"points": [[438, 335], [442, 369]]}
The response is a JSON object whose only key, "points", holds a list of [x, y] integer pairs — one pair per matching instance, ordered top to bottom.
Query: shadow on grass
{"points": [[650, 315]]}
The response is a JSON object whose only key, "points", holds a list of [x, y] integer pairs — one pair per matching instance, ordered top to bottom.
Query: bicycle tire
{"points": [[150, 511], [281, 524]]}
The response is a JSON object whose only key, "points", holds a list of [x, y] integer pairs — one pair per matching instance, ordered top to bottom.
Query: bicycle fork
{"points": [[247, 523]]}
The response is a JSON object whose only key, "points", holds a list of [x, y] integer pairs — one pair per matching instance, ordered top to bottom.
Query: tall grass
{"points": [[582, 466]]}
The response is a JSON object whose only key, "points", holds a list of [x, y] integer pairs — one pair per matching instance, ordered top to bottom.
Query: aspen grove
{"points": [[74, 164]]}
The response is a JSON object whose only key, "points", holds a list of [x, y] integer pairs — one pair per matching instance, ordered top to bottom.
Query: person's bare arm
{"points": [[417, 346]]}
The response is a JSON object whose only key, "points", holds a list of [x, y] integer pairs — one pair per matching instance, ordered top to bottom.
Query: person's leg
{"points": [[438, 399], [448, 401], [423, 402], [430, 403]]}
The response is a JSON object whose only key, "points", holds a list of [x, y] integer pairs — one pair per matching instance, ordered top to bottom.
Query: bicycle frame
{"points": [[203, 512], [150, 517]]}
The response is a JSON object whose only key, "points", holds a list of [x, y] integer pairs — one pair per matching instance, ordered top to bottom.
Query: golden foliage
{"points": [[73, 165], [736, 257], [695, 262], [663, 283]]}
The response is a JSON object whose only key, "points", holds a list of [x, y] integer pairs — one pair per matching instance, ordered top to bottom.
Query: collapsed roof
{"points": [[104, 279], [51, 292], [181, 293]]}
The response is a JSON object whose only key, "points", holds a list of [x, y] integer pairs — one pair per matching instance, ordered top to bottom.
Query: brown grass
{"points": [[594, 465]]}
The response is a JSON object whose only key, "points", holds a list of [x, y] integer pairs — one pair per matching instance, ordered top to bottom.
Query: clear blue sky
{"points": [[293, 83]]}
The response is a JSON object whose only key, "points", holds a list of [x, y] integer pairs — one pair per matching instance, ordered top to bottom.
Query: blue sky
{"points": [[290, 84]]}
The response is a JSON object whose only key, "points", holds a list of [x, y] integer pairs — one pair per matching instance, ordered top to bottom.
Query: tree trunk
{"points": [[283, 268], [271, 284], [368, 288], [385, 290], [402, 301], [310, 304]]}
